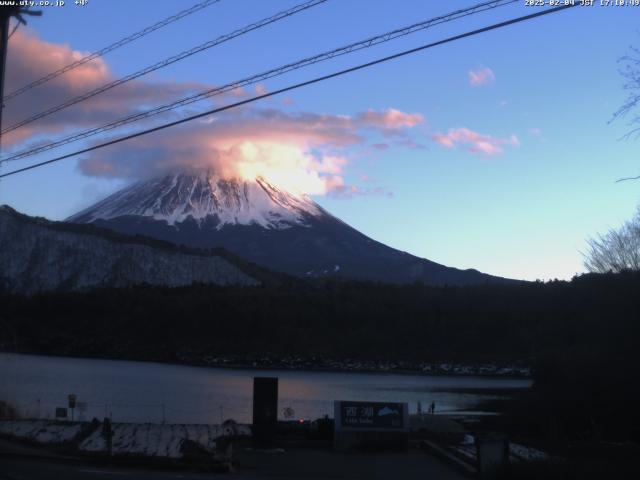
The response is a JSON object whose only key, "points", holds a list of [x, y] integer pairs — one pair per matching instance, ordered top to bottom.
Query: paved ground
{"points": [[19, 449], [19, 464], [319, 464], [30, 469]]}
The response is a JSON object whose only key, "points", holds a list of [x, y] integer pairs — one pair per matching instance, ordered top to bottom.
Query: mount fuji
{"points": [[264, 224]]}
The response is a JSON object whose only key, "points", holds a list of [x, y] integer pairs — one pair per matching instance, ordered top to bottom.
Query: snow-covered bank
{"points": [[129, 439], [161, 440], [517, 452]]}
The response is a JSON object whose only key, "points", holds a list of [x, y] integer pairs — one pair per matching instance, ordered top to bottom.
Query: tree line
{"points": [[580, 336]]}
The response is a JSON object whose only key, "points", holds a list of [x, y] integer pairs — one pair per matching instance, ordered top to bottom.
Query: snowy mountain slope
{"points": [[263, 224], [37, 255]]}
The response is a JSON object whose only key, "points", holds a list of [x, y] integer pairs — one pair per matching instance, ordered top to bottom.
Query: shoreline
{"points": [[487, 370]]}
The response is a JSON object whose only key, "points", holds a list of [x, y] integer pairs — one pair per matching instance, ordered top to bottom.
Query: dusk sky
{"points": [[494, 152]]}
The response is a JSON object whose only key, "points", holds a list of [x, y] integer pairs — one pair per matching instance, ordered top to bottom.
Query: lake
{"points": [[153, 392]]}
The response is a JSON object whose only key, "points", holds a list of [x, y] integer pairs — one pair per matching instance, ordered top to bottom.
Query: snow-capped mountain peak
{"points": [[174, 198], [264, 224]]}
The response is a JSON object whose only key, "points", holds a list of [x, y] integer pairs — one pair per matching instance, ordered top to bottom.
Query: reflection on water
{"points": [[151, 392]]}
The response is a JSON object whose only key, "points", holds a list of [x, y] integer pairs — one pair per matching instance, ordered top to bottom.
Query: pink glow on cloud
{"points": [[30, 58], [481, 76], [390, 119], [248, 143], [484, 145], [381, 146], [302, 150], [340, 190]]}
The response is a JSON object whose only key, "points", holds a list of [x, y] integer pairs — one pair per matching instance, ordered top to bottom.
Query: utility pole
{"points": [[6, 12], [5, 15]]}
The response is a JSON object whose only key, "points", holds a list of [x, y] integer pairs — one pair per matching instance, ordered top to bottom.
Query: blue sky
{"points": [[524, 212]]}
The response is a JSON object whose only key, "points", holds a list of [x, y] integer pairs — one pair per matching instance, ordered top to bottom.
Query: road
{"points": [[22, 462], [300, 465], [30, 469]]}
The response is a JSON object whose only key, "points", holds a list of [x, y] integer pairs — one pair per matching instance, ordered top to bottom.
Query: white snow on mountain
{"points": [[174, 198]]}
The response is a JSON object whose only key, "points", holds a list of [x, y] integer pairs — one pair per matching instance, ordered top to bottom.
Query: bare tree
{"points": [[630, 71], [617, 250]]}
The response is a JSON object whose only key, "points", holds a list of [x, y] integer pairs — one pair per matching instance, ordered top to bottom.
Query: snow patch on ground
{"points": [[139, 439], [159, 440], [468, 451], [517, 452], [524, 453]]}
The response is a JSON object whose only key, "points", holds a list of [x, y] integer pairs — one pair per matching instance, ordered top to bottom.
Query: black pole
{"points": [[6, 12], [5, 16], [265, 411]]}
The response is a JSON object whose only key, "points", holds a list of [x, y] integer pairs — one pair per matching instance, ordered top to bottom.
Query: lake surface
{"points": [[153, 392]]}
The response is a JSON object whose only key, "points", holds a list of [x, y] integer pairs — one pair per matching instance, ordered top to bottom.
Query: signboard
{"points": [[61, 412], [372, 415], [371, 425]]}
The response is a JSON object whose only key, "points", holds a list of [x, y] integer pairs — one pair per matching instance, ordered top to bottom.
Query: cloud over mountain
{"points": [[304, 150], [300, 151]]}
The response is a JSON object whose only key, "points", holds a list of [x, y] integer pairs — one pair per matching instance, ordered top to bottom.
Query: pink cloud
{"points": [[30, 58], [481, 76], [389, 119], [409, 143], [484, 145], [381, 146], [301, 150], [306, 150], [351, 191]]}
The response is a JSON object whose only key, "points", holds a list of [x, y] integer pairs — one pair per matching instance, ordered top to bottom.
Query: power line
{"points": [[173, 18], [15, 27], [369, 42], [168, 61], [296, 86]]}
